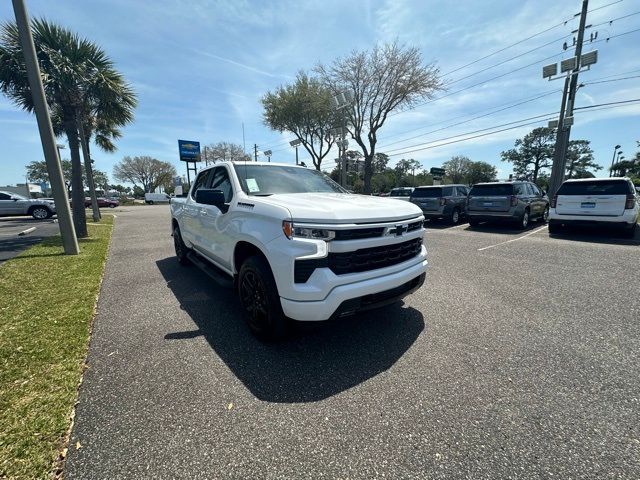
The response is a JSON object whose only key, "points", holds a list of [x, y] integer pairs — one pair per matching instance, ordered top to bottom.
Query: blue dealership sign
{"points": [[189, 150]]}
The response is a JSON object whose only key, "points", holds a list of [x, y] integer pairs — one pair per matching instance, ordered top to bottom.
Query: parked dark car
{"points": [[102, 202], [448, 202], [512, 202]]}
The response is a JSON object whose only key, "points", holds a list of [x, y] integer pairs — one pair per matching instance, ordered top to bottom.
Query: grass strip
{"points": [[47, 302]]}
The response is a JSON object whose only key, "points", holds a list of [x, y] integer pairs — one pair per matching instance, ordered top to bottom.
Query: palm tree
{"points": [[82, 88]]}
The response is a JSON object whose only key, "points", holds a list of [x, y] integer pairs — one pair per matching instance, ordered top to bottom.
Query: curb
{"points": [[28, 230]]}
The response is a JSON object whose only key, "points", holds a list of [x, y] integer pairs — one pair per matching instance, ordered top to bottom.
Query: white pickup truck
{"points": [[296, 245]]}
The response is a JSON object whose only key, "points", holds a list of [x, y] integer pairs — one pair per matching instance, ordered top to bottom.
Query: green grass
{"points": [[47, 302]]}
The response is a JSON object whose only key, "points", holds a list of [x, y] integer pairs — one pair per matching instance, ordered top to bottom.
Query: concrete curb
{"points": [[28, 230]]}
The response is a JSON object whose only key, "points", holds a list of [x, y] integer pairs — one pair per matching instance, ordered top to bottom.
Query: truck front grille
{"points": [[361, 260]]}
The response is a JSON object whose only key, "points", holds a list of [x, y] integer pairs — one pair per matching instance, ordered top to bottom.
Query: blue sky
{"points": [[201, 67]]}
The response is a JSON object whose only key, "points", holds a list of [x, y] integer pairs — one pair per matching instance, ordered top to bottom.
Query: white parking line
{"points": [[513, 239]]}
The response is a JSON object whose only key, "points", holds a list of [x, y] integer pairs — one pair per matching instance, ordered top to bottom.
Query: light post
{"points": [[341, 102], [47, 138], [295, 143], [267, 153], [620, 157], [613, 159]]}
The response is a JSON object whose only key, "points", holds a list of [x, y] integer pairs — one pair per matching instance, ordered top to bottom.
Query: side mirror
{"points": [[209, 196]]}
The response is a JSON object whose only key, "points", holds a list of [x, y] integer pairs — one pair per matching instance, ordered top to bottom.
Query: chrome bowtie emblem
{"points": [[399, 230]]}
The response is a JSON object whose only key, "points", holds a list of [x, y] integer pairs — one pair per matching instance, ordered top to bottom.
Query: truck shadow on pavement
{"points": [[313, 364]]}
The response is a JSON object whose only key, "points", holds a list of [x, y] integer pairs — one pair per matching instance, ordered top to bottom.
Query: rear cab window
{"points": [[601, 187], [492, 190]]}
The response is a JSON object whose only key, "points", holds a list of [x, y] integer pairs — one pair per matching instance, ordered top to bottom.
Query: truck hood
{"points": [[343, 207]]}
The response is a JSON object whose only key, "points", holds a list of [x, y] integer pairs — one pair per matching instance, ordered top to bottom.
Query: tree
{"points": [[78, 79], [387, 79], [304, 109], [222, 151], [532, 154], [580, 160], [380, 162], [457, 169], [37, 172], [149, 172], [481, 172], [101, 179], [121, 189]]}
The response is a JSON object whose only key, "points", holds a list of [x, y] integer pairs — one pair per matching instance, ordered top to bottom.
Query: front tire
{"points": [[41, 213], [544, 218], [181, 249], [260, 300]]}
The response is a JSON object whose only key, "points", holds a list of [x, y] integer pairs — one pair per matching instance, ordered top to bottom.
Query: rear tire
{"points": [[150, 202], [455, 217], [523, 222], [554, 228], [630, 232], [181, 249], [260, 300]]}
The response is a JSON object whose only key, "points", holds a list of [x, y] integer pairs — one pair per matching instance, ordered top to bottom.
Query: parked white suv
{"points": [[608, 202], [295, 244]]}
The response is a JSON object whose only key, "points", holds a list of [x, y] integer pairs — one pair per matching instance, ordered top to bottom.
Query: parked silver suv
{"points": [[513, 202], [14, 204]]}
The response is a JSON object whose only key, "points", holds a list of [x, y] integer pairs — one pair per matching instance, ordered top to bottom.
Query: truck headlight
{"points": [[291, 231]]}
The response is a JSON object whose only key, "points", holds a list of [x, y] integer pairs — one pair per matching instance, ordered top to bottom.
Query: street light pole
{"points": [[295, 143], [49, 147], [613, 159]]}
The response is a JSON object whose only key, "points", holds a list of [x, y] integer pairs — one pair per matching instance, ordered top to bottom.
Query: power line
{"points": [[553, 27], [509, 59], [498, 64], [612, 80], [609, 103], [605, 106], [493, 112], [476, 131], [464, 139]]}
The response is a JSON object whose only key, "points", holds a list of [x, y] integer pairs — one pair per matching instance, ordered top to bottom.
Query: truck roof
{"points": [[261, 164]]}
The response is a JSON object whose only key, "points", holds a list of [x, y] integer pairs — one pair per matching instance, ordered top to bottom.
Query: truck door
{"points": [[191, 210], [217, 239]]}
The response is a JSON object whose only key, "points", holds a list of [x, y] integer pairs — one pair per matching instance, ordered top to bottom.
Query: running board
{"points": [[212, 271]]}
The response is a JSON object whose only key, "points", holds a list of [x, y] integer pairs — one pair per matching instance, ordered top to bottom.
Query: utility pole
{"points": [[568, 99], [255, 152], [59, 191]]}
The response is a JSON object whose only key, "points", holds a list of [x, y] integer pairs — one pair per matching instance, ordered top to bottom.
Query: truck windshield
{"points": [[270, 179]]}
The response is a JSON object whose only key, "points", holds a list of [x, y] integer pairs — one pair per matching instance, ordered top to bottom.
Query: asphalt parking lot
{"points": [[11, 243], [518, 358]]}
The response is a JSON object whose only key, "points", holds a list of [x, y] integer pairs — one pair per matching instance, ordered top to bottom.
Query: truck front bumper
{"points": [[361, 295]]}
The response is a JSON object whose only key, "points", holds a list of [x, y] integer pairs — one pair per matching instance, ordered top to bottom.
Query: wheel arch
{"points": [[244, 250]]}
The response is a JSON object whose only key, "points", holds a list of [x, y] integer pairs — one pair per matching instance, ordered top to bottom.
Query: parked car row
{"points": [[586, 202]]}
